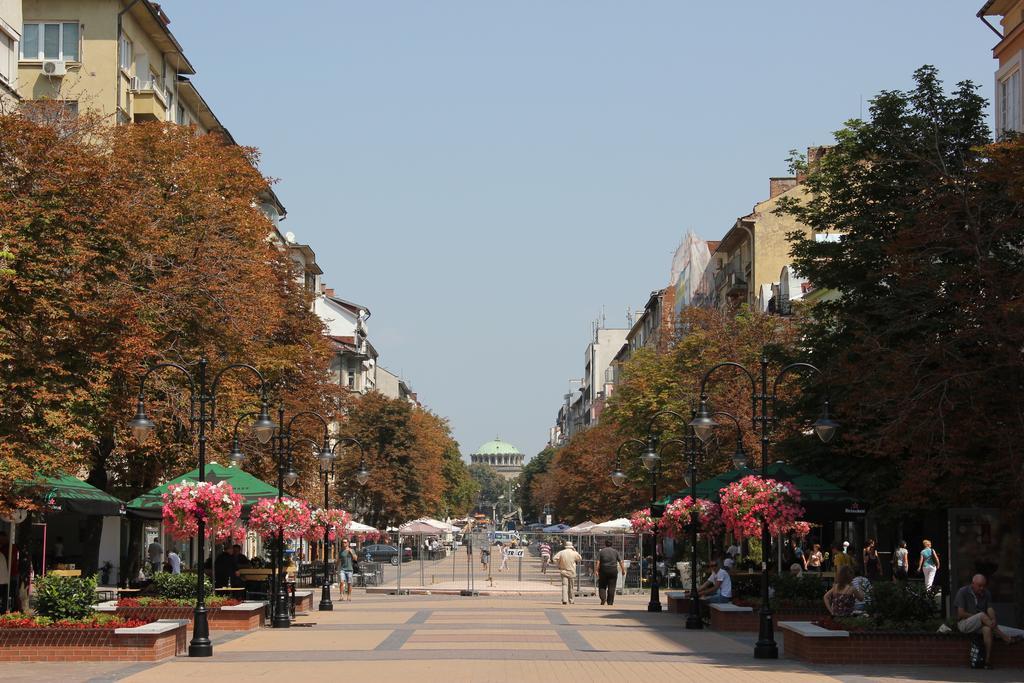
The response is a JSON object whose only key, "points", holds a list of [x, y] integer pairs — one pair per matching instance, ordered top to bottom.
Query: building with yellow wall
{"points": [[116, 57], [1009, 100]]}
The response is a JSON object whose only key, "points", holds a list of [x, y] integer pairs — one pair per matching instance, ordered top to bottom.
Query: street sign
{"points": [[514, 552]]}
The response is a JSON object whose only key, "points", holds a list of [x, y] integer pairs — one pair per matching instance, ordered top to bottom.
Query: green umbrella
{"points": [[63, 492], [823, 500], [150, 504]]}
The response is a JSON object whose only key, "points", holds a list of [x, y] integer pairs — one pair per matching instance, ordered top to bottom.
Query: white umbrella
{"points": [[358, 528]]}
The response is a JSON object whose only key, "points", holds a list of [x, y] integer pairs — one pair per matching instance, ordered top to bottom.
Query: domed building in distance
{"points": [[502, 456]]}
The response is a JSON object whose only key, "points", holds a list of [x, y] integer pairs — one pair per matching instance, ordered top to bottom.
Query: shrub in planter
{"points": [[182, 585], [806, 590], [65, 597], [213, 601], [901, 603], [95, 621]]}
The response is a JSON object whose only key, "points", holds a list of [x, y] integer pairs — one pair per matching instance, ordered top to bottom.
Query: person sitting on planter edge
{"points": [[718, 587], [974, 613]]}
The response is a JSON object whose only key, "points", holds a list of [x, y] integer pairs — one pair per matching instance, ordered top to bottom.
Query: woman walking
{"points": [[815, 559], [901, 562], [928, 564], [872, 565]]}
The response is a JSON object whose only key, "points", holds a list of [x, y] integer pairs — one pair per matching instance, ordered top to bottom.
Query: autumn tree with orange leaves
{"points": [[128, 246], [408, 453]]}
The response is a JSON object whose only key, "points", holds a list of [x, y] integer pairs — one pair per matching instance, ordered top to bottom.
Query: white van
{"points": [[503, 536]]}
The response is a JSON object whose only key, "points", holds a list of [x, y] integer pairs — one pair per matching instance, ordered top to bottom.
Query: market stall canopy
{"points": [[69, 494], [822, 500], [150, 505], [443, 526], [612, 526], [420, 527], [582, 527], [359, 528], [556, 529]]}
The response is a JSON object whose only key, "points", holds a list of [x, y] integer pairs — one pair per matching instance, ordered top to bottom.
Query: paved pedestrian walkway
{"points": [[479, 639]]}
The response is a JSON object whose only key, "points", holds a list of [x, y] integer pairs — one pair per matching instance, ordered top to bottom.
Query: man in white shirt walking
{"points": [[565, 560]]}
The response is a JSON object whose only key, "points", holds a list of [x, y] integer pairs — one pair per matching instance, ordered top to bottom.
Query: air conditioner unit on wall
{"points": [[54, 67]]}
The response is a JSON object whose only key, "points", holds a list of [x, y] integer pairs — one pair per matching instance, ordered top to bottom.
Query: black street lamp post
{"points": [[205, 394], [762, 420], [652, 463], [326, 474], [286, 475]]}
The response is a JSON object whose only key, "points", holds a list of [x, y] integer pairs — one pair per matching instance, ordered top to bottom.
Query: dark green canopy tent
{"points": [[64, 493], [823, 500], [150, 504]]}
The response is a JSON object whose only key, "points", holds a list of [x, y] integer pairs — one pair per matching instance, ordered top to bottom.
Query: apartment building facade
{"points": [[1008, 16], [10, 50], [115, 57]]}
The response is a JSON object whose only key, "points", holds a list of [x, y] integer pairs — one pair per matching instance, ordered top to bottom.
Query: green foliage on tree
{"points": [[924, 342], [490, 484], [460, 488], [533, 506]]}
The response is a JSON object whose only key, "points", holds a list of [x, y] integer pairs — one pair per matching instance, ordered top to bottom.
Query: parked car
{"points": [[385, 553]]}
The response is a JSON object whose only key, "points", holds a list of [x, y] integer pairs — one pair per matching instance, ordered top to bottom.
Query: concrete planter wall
{"points": [[149, 643], [809, 643]]}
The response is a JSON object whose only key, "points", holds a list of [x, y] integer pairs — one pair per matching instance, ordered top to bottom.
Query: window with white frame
{"points": [[51, 40], [126, 54], [8, 56], [1008, 94]]}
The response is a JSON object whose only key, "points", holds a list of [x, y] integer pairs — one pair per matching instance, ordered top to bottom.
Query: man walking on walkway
{"points": [[566, 559], [609, 562]]}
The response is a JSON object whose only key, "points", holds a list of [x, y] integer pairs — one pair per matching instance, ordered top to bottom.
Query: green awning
{"points": [[64, 493], [823, 500], [150, 504]]}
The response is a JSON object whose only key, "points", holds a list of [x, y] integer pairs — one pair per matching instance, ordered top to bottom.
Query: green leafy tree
{"points": [[924, 340], [489, 483], [460, 488], [533, 507]]}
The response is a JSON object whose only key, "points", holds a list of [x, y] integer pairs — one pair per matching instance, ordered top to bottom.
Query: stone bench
{"points": [[303, 601], [678, 602]]}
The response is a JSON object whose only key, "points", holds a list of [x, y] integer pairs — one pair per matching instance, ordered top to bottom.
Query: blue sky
{"points": [[486, 176]]}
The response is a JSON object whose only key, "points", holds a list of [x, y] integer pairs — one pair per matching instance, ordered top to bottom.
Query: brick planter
{"points": [[247, 616], [729, 617], [149, 643], [809, 643]]}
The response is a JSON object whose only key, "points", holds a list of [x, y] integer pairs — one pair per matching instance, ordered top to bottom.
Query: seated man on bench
{"points": [[718, 587], [975, 614]]}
